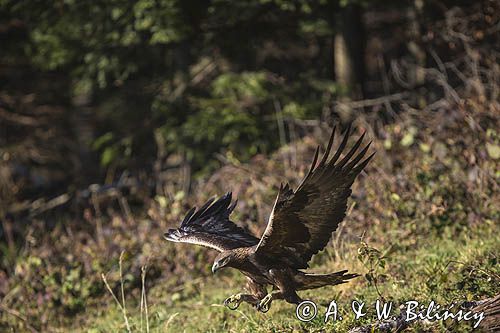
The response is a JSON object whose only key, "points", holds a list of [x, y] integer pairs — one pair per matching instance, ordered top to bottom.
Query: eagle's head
{"points": [[222, 260]]}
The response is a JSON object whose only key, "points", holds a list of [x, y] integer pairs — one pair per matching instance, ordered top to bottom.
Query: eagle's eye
{"points": [[224, 261]]}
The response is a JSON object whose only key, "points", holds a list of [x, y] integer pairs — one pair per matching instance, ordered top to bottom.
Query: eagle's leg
{"points": [[286, 284], [285, 290], [256, 292], [292, 297], [234, 301], [265, 304]]}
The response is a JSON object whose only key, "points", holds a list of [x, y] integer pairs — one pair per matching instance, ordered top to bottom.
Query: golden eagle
{"points": [[300, 225]]}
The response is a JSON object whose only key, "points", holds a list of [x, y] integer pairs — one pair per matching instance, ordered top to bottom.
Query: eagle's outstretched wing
{"points": [[302, 222], [210, 226]]}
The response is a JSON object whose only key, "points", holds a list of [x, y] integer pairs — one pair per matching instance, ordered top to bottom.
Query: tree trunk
{"points": [[415, 12], [349, 50], [83, 131]]}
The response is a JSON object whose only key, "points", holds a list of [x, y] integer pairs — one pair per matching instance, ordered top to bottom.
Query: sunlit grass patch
{"points": [[445, 270]]}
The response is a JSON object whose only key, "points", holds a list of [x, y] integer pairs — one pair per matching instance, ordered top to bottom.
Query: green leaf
{"points": [[407, 139], [102, 140], [493, 150], [108, 155]]}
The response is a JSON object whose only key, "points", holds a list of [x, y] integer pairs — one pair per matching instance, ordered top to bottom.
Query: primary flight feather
{"points": [[300, 225]]}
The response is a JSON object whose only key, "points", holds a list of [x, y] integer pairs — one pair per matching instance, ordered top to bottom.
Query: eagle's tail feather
{"points": [[311, 281]]}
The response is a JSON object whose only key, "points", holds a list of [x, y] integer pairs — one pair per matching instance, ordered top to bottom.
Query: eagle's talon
{"points": [[233, 302], [265, 304], [263, 309]]}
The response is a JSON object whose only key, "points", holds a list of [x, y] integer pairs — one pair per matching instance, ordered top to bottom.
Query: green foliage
{"points": [[179, 66], [240, 87], [375, 262], [63, 287]]}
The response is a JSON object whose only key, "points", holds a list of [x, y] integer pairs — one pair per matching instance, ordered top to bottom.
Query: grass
{"points": [[440, 268]]}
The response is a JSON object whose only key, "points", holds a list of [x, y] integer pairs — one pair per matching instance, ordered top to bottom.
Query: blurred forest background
{"points": [[116, 116]]}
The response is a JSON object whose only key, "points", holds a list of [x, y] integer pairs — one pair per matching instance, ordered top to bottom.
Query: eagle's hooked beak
{"points": [[215, 267]]}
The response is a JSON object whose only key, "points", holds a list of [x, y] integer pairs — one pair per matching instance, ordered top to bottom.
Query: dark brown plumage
{"points": [[300, 225]]}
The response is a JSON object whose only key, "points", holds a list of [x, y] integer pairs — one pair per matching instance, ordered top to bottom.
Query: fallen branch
{"points": [[374, 101], [18, 118], [491, 309], [19, 316]]}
